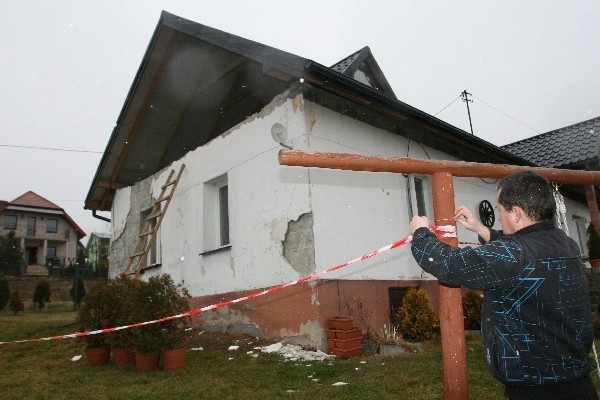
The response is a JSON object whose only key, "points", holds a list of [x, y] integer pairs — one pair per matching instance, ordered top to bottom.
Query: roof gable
{"points": [[362, 67], [196, 82], [574, 146]]}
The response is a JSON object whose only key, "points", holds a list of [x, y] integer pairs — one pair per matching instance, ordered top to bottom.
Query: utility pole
{"points": [[467, 100]]}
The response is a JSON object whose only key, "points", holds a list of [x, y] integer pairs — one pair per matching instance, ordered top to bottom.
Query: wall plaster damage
{"points": [[140, 199], [299, 244]]}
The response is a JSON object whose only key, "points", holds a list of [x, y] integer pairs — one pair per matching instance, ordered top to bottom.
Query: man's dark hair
{"points": [[531, 192]]}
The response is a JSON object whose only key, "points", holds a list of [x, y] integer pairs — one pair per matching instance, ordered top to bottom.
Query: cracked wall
{"points": [[140, 198], [299, 244]]}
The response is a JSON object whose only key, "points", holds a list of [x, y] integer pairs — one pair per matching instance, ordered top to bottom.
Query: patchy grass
{"points": [[44, 370]]}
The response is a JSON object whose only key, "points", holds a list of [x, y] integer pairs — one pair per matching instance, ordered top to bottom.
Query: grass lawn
{"points": [[44, 370]]}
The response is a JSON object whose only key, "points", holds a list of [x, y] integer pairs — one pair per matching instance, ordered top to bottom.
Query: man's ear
{"points": [[517, 214]]}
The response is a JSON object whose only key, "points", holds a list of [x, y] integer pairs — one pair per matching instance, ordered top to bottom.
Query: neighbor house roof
{"points": [[195, 83], [575, 147], [33, 202]]}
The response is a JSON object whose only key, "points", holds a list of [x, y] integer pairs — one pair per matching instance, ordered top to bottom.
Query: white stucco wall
{"points": [[353, 212]]}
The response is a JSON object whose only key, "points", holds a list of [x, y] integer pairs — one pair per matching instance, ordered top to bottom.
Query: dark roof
{"points": [[363, 67], [195, 83], [574, 147], [37, 203]]}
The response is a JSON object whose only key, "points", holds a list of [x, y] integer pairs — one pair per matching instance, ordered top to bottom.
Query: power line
{"points": [[457, 97], [508, 116], [50, 148]]}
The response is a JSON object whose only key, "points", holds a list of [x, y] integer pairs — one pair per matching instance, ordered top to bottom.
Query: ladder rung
{"points": [[166, 185], [167, 197], [153, 216], [146, 233], [134, 255]]}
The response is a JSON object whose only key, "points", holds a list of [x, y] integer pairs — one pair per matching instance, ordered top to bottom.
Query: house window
{"points": [[418, 194], [216, 214], [223, 215], [10, 222], [580, 224], [51, 225], [30, 226], [50, 252], [153, 257]]}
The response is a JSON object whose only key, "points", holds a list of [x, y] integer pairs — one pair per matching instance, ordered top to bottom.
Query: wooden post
{"points": [[454, 355]]}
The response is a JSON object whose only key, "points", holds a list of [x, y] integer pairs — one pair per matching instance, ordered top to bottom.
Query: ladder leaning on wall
{"points": [[146, 238]]}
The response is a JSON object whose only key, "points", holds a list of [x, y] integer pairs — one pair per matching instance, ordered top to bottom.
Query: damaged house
{"points": [[214, 110]]}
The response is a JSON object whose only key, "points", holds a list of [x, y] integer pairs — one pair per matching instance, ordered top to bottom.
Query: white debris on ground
{"points": [[232, 348], [293, 352], [76, 358], [340, 384]]}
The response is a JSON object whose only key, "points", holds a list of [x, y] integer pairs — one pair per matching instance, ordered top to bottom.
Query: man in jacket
{"points": [[536, 322]]}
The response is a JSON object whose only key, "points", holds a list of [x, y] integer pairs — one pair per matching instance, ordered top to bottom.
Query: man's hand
{"points": [[463, 216], [418, 222]]}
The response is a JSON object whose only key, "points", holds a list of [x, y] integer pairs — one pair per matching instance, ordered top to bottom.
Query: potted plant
{"points": [[593, 245], [157, 298], [174, 300], [96, 312], [121, 341], [389, 341]]}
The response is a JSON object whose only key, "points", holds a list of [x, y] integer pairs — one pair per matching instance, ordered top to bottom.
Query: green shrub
{"points": [[593, 243], [11, 257], [77, 291], [4, 292], [41, 295], [125, 295], [159, 297], [472, 303], [15, 304], [97, 312], [416, 319]]}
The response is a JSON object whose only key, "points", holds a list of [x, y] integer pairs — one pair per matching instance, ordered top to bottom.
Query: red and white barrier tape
{"points": [[440, 231]]}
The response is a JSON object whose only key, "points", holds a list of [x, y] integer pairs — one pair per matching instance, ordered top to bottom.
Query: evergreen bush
{"points": [[593, 243], [11, 257], [77, 291], [4, 292], [41, 295], [15, 303], [472, 303], [97, 312], [416, 319]]}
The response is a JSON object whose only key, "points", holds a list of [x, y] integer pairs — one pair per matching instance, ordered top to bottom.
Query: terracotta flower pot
{"points": [[97, 355], [123, 355], [174, 359], [146, 361]]}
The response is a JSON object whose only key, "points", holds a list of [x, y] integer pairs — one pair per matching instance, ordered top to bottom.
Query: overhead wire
{"points": [[50, 148]]}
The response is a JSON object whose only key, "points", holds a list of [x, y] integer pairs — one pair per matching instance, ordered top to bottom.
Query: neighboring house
{"points": [[573, 147], [238, 221], [47, 234], [97, 251]]}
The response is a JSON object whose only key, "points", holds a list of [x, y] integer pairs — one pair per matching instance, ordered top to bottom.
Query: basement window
{"points": [[216, 214]]}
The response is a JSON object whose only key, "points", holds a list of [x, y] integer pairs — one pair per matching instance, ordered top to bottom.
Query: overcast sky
{"points": [[66, 67]]}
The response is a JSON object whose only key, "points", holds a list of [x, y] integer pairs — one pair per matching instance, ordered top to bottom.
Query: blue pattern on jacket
{"points": [[536, 322]]}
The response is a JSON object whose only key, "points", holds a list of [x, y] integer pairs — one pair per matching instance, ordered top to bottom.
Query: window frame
{"points": [[418, 195], [216, 212], [11, 227], [48, 230]]}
